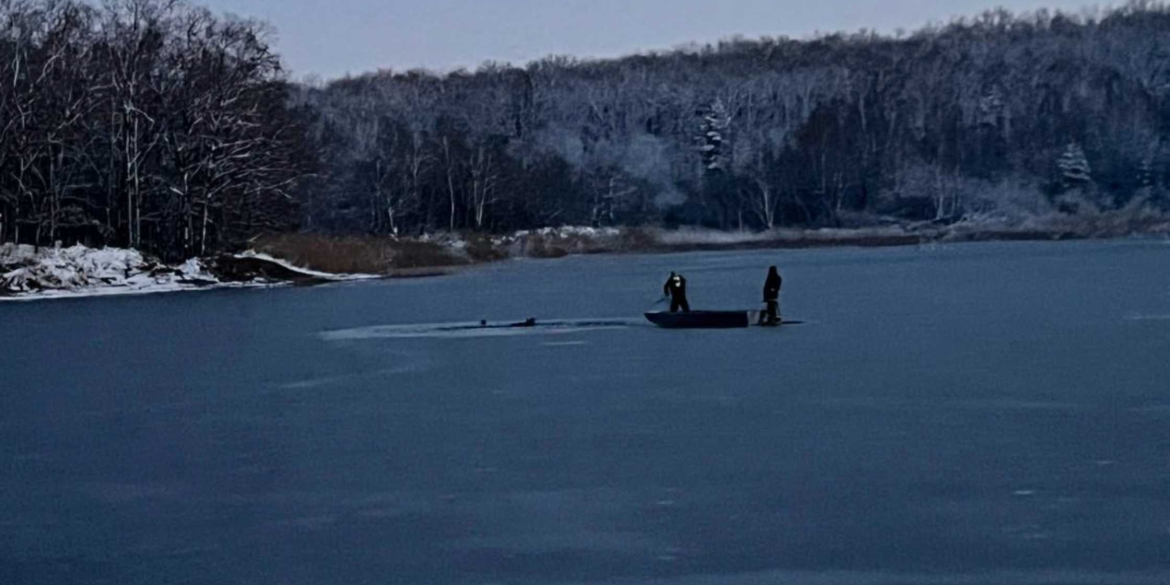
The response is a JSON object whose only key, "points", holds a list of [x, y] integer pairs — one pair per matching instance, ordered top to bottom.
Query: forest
{"points": [[158, 125]]}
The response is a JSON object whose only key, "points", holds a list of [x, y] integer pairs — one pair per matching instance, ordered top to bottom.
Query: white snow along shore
{"points": [[305, 271], [26, 273]]}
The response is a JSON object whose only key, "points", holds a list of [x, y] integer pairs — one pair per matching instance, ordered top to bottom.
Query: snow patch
{"points": [[570, 231], [305, 271], [28, 272]]}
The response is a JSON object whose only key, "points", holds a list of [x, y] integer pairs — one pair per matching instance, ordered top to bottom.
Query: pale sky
{"points": [[331, 38]]}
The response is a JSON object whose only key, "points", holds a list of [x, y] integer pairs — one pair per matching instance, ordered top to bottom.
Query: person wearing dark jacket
{"points": [[676, 289], [771, 315]]}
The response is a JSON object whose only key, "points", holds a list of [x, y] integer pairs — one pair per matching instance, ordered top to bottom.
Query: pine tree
{"points": [[1074, 167], [1076, 192]]}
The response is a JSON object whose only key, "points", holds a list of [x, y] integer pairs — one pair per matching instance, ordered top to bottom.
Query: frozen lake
{"points": [[975, 413]]}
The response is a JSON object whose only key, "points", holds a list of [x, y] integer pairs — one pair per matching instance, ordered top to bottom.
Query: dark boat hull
{"points": [[701, 319]]}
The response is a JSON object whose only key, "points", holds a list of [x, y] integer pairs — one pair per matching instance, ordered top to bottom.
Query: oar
{"points": [[659, 301]]}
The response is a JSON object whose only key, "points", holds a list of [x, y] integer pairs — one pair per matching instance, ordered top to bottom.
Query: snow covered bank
{"points": [[571, 231], [576, 240], [555, 242], [439, 253], [28, 273], [313, 274]]}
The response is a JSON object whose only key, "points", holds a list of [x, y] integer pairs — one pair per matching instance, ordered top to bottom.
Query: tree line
{"points": [[143, 123], [158, 125]]}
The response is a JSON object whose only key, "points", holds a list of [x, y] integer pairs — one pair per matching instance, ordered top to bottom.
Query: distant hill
{"points": [[997, 114]]}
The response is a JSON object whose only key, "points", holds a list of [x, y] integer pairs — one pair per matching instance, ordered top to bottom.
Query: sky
{"points": [[332, 38]]}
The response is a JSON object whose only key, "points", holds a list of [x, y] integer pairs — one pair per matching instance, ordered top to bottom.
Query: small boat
{"points": [[703, 319]]}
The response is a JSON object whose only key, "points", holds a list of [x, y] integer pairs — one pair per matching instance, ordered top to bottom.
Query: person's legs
{"points": [[673, 305], [686, 307], [773, 317]]}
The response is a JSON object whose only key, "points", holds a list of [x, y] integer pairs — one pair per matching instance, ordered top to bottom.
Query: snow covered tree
{"points": [[715, 122], [1074, 167], [1075, 191]]}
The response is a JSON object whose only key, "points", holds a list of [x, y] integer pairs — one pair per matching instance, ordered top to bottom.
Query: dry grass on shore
{"points": [[356, 254], [404, 257]]}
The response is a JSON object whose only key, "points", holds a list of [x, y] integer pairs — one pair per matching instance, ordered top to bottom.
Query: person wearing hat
{"points": [[676, 289]]}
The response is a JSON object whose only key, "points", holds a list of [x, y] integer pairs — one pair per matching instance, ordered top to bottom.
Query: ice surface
{"points": [[1138, 317], [220, 439]]}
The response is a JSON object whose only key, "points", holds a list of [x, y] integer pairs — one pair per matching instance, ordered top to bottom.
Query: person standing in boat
{"points": [[676, 289], [771, 315]]}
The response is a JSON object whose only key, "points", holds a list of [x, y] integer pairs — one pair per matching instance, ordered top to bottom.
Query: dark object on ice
{"points": [[676, 289], [771, 314], [701, 319], [531, 323]]}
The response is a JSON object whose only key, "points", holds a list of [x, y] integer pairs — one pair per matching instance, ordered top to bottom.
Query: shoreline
{"points": [[697, 241], [894, 241], [274, 272], [118, 291]]}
